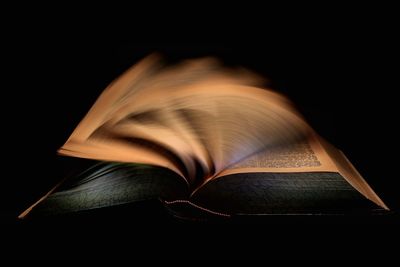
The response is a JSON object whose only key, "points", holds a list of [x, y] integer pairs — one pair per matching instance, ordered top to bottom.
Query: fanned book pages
{"points": [[206, 141]]}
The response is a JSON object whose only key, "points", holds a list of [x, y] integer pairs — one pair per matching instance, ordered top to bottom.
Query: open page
{"points": [[307, 155], [310, 155]]}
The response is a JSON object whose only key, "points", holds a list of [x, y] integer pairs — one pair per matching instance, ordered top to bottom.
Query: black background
{"points": [[339, 74]]}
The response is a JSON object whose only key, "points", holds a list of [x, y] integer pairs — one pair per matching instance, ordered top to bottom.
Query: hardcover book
{"points": [[206, 141]]}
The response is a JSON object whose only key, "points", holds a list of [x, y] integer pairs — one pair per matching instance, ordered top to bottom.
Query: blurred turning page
{"points": [[196, 116]]}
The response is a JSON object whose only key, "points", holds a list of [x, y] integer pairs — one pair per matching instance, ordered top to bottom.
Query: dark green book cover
{"points": [[109, 185]]}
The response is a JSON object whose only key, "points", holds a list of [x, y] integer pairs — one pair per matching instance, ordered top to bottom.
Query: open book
{"points": [[203, 137]]}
